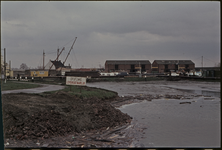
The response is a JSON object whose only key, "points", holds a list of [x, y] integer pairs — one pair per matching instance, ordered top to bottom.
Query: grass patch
{"points": [[57, 81], [12, 85], [87, 92]]}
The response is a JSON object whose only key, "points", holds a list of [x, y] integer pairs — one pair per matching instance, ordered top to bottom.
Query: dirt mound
{"points": [[31, 116], [42, 124]]}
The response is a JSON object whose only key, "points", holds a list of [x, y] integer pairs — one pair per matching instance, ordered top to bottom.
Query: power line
{"points": [[68, 42], [51, 52], [75, 58], [196, 58], [210, 60]]}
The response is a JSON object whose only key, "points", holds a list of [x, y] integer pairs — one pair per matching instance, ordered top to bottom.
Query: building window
{"points": [[166, 66], [186, 66], [116, 67], [143, 67], [176, 67], [132, 68]]}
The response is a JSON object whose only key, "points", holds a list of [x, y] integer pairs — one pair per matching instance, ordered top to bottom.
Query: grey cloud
{"points": [[112, 29]]}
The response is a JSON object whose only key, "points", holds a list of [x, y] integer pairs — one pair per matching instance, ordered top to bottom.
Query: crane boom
{"points": [[70, 50], [57, 57]]}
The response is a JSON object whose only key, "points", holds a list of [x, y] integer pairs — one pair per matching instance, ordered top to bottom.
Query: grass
{"points": [[12, 85], [79, 91], [87, 92]]}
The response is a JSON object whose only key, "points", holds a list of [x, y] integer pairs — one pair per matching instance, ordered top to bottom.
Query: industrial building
{"points": [[128, 65], [161, 66], [18, 72]]}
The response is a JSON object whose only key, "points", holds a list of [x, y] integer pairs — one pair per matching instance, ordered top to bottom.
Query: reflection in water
{"points": [[202, 92], [211, 93]]}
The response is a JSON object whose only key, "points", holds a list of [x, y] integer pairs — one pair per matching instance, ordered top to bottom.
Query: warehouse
{"points": [[128, 66], [161, 66], [18, 72]]}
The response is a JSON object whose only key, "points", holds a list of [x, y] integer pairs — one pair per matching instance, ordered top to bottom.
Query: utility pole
{"points": [[58, 53], [43, 59], [202, 62], [5, 64], [202, 65], [9, 67], [1, 110]]}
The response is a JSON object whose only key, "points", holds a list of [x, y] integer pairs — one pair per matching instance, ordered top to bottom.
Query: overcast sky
{"points": [[110, 31]]}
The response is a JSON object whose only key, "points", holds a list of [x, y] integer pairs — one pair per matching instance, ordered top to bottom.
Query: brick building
{"points": [[128, 65], [161, 66]]}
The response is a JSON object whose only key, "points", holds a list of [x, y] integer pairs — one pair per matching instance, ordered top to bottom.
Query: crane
{"points": [[70, 50], [57, 57]]}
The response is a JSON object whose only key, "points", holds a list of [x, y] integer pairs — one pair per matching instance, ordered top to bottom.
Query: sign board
{"points": [[70, 80]]}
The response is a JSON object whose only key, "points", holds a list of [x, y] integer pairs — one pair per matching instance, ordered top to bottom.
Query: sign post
{"points": [[80, 81]]}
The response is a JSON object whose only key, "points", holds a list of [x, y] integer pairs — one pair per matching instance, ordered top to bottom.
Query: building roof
{"points": [[127, 62], [173, 62], [57, 64], [15, 69]]}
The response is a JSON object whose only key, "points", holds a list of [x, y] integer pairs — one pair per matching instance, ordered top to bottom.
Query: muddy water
{"points": [[168, 122]]}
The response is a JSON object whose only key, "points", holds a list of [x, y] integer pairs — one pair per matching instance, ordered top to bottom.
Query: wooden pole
{"points": [[58, 53], [43, 59], [5, 63]]}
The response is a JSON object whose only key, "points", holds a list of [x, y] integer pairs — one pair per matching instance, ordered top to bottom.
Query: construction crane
{"points": [[70, 50], [57, 57]]}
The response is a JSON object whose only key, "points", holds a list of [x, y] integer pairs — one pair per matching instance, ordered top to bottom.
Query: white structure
{"points": [[109, 74], [70, 80]]}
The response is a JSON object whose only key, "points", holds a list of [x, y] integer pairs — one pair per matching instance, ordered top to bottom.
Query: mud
{"points": [[29, 118], [62, 120]]}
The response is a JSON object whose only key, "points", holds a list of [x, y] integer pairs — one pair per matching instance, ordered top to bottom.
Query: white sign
{"points": [[70, 80]]}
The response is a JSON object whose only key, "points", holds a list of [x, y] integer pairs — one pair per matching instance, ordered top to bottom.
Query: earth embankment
{"points": [[34, 116]]}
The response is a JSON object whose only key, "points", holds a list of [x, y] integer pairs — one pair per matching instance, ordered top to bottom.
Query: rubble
{"points": [[36, 117]]}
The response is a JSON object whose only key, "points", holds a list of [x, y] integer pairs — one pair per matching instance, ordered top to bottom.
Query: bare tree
{"points": [[24, 66], [39, 67]]}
